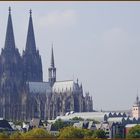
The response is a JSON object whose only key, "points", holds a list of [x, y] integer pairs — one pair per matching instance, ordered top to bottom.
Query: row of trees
{"points": [[67, 132], [74, 132], [34, 133]]}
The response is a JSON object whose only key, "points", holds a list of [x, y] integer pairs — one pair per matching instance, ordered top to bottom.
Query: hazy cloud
{"points": [[58, 19]]}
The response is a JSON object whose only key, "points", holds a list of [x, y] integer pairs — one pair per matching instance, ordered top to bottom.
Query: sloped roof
{"points": [[65, 86], [39, 87], [99, 116], [116, 119], [36, 122], [79, 124], [5, 125], [91, 125], [102, 126]]}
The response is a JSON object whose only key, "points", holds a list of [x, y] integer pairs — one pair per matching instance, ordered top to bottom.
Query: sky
{"points": [[96, 42]]}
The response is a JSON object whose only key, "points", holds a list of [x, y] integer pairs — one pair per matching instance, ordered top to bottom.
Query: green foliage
{"points": [[77, 119], [18, 123], [59, 124], [71, 132], [134, 132], [37, 133], [88, 133], [99, 134], [3, 135], [16, 135], [118, 136]]}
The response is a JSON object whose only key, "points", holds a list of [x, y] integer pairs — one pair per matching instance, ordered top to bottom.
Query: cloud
{"points": [[58, 19]]}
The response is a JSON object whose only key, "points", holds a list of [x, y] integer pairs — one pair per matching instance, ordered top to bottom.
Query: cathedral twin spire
{"points": [[9, 40], [30, 43], [31, 59]]}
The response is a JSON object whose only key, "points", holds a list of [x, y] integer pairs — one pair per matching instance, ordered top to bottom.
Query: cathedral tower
{"points": [[31, 58], [10, 59], [52, 70], [10, 75]]}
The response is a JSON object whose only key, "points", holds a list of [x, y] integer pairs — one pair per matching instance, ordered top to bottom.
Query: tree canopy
{"points": [[77, 119], [59, 124], [71, 132], [74, 132], [134, 132], [37, 133], [99, 134]]}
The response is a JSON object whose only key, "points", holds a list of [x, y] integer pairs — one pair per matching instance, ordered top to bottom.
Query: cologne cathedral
{"points": [[23, 93]]}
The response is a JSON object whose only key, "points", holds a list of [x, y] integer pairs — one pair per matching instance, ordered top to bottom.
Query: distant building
{"points": [[23, 93], [136, 109], [97, 116], [36, 123], [113, 123]]}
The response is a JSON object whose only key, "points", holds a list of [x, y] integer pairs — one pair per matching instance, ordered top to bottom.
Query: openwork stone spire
{"points": [[9, 40], [30, 42], [52, 58], [52, 70]]}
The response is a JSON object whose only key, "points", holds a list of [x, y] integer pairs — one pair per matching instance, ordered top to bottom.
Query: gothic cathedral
{"points": [[23, 94]]}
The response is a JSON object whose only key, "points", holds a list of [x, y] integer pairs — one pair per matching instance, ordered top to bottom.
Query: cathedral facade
{"points": [[23, 93]]}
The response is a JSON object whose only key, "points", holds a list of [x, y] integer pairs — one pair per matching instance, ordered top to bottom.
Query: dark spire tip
{"points": [[9, 10], [30, 12]]}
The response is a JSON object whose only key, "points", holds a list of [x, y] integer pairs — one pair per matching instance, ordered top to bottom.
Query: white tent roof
{"points": [[98, 116]]}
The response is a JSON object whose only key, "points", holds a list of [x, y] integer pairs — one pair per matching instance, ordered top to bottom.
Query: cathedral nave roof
{"points": [[65, 86], [40, 87]]}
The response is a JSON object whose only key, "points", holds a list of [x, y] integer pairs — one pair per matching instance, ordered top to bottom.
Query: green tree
{"points": [[77, 119], [18, 123], [59, 124], [71, 132], [134, 132], [37, 133], [88, 133], [99, 134], [3, 135], [16, 135], [118, 136]]}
